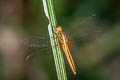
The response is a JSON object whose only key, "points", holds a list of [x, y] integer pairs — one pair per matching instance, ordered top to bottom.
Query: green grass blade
{"points": [[58, 56]]}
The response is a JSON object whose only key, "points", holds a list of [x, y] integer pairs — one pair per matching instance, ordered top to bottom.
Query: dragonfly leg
{"points": [[55, 38], [56, 45]]}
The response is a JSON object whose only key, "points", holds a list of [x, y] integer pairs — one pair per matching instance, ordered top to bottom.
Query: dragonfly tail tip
{"points": [[74, 73]]}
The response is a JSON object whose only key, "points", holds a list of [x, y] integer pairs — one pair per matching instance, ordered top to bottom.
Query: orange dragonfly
{"points": [[39, 43], [33, 44], [65, 46]]}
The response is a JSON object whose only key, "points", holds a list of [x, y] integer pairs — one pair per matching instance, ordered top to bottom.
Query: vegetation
{"points": [[93, 28]]}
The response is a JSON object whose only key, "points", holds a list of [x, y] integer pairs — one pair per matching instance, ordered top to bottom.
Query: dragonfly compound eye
{"points": [[58, 29]]}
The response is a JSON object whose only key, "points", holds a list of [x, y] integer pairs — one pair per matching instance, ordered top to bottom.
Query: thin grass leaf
{"points": [[58, 56]]}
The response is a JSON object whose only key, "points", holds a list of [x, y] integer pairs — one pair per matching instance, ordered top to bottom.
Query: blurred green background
{"points": [[93, 27]]}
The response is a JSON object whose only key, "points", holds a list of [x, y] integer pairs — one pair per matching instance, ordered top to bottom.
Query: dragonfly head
{"points": [[58, 29]]}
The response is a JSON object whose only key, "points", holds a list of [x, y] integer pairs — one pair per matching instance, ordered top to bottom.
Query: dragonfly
{"points": [[40, 43], [65, 46]]}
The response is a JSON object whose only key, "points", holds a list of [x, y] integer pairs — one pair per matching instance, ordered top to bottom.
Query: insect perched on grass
{"points": [[34, 45], [65, 46]]}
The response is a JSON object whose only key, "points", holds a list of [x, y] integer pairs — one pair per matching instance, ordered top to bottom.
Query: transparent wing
{"points": [[35, 42], [31, 45]]}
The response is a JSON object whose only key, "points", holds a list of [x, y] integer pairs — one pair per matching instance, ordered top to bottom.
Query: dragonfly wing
{"points": [[33, 45]]}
